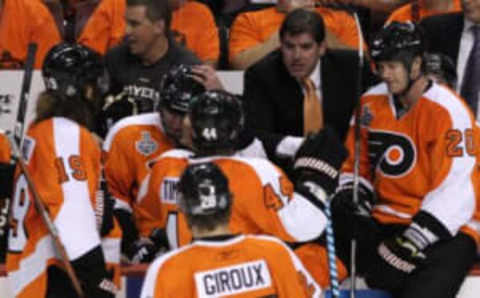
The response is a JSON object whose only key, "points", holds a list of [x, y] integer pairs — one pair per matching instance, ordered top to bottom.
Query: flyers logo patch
{"points": [[146, 145], [393, 154]]}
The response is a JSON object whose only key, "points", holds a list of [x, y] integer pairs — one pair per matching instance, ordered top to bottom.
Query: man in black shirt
{"points": [[137, 65]]}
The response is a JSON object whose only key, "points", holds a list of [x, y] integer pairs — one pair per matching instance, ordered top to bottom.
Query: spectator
{"points": [[381, 6], [418, 10], [22, 22], [97, 24], [193, 25], [255, 34], [457, 35], [137, 66], [275, 86], [64, 162], [418, 178], [266, 201], [206, 202]]}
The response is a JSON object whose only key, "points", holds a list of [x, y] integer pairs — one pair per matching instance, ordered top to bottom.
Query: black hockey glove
{"points": [[317, 163], [6, 180], [343, 199], [144, 250], [405, 253], [397, 258], [96, 280]]}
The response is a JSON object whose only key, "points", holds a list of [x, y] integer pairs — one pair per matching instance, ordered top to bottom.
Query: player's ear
{"points": [[416, 67]]}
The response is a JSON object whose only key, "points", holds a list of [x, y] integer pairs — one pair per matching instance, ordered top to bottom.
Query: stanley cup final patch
{"points": [[146, 145], [233, 280]]}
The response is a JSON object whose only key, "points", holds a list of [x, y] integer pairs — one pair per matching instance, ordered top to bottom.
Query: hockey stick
{"points": [[24, 94], [356, 165], [41, 210], [332, 265]]}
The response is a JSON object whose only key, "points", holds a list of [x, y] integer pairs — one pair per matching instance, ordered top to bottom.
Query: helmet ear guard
{"points": [[203, 190]]}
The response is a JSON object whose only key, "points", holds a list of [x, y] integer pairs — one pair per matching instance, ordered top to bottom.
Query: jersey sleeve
{"points": [[243, 34], [119, 173], [451, 198], [276, 209], [292, 277]]}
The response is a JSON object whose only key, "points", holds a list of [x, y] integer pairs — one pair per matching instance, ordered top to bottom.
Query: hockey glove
{"points": [[317, 163], [343, 199], [144, 250], [405, 253], [397, 257], [96, 280]]}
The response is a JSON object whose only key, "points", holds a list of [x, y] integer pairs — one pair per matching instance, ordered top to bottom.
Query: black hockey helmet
{"points": [[397, 41], [441, 66], [69, 68], [177, 88], [217, 120], [203, 190]]}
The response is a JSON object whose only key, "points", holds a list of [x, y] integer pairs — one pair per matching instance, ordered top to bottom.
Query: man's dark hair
{"points": [[155, 10], [303, 21]]}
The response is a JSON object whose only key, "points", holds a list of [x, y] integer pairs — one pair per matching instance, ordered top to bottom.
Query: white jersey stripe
{"points": [[75, 221]]}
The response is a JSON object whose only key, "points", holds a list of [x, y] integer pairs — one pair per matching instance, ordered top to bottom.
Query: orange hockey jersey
{"points": [[129, 146], [423, 160], [64, 163], [264, 200], [241, 266]]}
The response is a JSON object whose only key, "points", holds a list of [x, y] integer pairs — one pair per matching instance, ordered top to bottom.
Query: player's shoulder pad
{"points": [[451, 103], [152, 119], [264, 168], [157, 264]]}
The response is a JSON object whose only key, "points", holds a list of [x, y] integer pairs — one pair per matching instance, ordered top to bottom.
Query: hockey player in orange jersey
{"points": [[136, 140], [133, 142], [64, 162], [418, 177], [267, 202], [219, 263]]}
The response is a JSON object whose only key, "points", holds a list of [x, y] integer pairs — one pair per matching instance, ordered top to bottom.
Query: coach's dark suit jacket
{"points": [[443, 33], [274, 99]]}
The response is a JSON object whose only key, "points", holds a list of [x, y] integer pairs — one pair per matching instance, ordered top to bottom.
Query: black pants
{"points": [[447, 263], [59, 284]]}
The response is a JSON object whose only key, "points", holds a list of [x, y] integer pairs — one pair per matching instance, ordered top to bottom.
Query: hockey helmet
{"points": [[397, 41], [441, 66], [69, 68], [178, 87], [217, 119], [203, 190]]}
